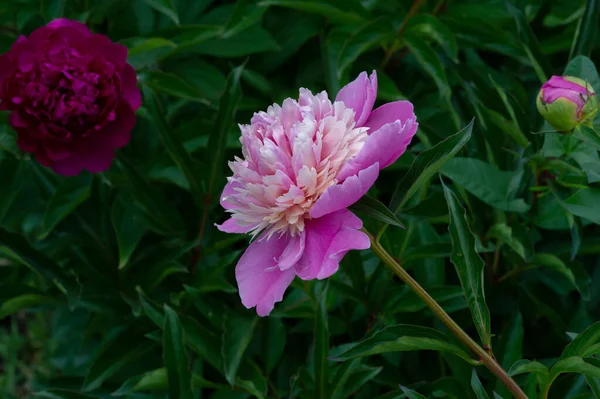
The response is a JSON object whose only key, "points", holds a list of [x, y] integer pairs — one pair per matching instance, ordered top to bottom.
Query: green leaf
{"points": [[165, 7], [53, 9], [329, 9], [245, 14], [430, 26], [369, 36], [251, 41], [583, 42], [529, 43], [146, 52], [430, 63], [584, 68], [174, 85], [588, 136], [218, 137], [174, 147], [426, 164], [13, 175], [494, 187], [72, 192], [584, 203], [372, 207], [166, 219], [129, 225], [505, 233], [18, 250], [555, 263], [469, 265], [13, 305], [237, 334], [400, 338], [274, 343], [584, 343], [321, 346], [510, 348], [115, 354], [175, 357], [571, 365], [155, 380], [480, 392], [62, 394], [410, 394]]}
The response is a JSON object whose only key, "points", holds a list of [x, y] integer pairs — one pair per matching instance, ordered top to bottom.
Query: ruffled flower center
{"points": [[70, 93], [292, 154]]}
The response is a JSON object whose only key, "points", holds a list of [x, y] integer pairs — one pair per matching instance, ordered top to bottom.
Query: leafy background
{"points": [[118, 284]]}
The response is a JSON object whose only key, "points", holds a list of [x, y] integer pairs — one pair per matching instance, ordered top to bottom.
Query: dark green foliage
{"points": [[118, 285]]}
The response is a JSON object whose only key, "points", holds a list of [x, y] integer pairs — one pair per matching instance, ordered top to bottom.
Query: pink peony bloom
{"points": [[72, 95], [304, 163]]}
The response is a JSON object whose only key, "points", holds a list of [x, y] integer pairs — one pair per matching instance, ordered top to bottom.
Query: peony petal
{"points": [[81, 28], [131, 92], [360, 95], [388, 113], [118, 133], [384, 147], [98, 159], [70, 166], [227, 191], [343, 195], [231, 226], [328, 239], [293, 252], [260, 282]]}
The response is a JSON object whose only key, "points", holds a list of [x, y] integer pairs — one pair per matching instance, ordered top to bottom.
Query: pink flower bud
{"points": [[566, 101]]}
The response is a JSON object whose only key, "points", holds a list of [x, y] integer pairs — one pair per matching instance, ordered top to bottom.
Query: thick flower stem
{"points": [[445, 318]]}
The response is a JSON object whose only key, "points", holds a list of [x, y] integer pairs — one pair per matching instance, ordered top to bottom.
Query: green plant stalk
{"points": [[445, 318]]}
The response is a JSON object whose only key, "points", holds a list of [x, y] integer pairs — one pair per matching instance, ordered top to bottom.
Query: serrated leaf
{"points": [[426, 164], [469, 265], [175, 357]]}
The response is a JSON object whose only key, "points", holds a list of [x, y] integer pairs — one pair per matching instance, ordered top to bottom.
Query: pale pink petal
{"points": [[360, 95], [388, 113], [384, 146], [227, 191], [343, 195], [231, 226], [328, 239], [292, 252], [260, 282]]}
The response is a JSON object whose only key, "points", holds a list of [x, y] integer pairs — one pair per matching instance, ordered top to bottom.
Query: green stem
{"points": [[445, 318]]}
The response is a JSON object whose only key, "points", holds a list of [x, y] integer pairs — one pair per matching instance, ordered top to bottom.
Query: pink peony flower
{"points": [[72, 95], [304, 163]]}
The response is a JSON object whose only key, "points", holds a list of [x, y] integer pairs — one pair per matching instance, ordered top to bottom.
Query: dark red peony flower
{"points": [[72, 95]]}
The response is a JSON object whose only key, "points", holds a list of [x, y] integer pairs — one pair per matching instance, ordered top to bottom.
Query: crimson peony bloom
{"points": [[72, 95], [304, 163]]}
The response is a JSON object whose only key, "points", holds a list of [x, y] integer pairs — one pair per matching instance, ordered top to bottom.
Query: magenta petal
{"points": [[131, 92], [360, 95], [388, 113], [384, 146], [98, 159], [70, 166], [343, 195], [231, 226], [328, 239], [293, 252], [260, 282]]}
